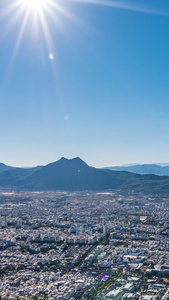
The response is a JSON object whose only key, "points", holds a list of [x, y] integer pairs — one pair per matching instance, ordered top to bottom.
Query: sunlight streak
{"points": [[35, 5], [123, 6], [9, 9], [38, 10], [66, 13], [12, 22], [65, 28], [46, 31], [20, 35], [74, 38], [49, 41], [17, 44]]}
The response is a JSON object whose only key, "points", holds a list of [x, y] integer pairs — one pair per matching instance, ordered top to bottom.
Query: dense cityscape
{"points": [[85, 245]]}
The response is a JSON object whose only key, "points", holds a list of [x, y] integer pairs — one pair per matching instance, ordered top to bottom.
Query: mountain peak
{"points": [[63, 159], [68, 159], [78, 159], [75, 160]]}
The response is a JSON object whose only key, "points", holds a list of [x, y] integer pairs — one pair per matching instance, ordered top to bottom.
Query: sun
{"points": [[35, 4], [36, 13]]}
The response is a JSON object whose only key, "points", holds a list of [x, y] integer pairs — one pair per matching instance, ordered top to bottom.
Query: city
{"points": [[84, 245]]}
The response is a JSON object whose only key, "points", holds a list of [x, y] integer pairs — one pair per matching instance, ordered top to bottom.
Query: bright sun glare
{"points": [[35, 4], [36, 12]]}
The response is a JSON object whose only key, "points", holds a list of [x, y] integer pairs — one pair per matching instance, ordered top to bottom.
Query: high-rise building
{"points": [[104, 229]]}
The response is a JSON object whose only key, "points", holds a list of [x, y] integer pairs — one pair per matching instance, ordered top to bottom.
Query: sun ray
{"points": [[34, 4], [124, 6], [9, 9], [38, 9], [66, 13], [54, 19], [12, 22], [46, 31], [20, 35], [75, 38], [49, 41], [17, 45]]}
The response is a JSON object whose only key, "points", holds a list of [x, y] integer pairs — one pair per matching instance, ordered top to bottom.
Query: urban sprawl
{"points": [[84, 245]]}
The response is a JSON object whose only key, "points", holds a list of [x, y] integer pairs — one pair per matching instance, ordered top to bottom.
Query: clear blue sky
{"points": [[104, 96]]}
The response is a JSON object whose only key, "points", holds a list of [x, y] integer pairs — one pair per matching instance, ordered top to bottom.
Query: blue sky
{"points": [[104, 96]]}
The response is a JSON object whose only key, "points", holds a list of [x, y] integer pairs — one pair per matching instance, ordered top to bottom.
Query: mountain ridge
{"points": [[4, 167], [143, 169], [76, 175]]}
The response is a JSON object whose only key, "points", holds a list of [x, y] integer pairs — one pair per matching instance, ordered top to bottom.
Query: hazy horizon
{"points": [[90, 164]]}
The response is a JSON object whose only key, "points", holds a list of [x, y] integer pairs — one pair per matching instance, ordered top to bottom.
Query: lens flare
{"points": [[51, 56], [66, 118]]}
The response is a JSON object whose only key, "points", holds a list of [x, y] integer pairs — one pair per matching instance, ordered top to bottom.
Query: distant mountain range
{"points": [[4, 168], [143, 169], [12, 175], [75, 175]]}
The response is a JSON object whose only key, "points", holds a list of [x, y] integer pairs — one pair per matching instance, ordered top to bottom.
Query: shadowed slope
{"points": [[4, 168], [73, 174]]}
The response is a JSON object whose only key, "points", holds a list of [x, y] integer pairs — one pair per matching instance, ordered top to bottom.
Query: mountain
{"points": [[165, 164], [4, 168], [143, 169], [70, 174], [75, 175], [10, 176]]}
